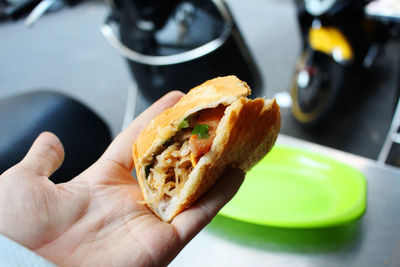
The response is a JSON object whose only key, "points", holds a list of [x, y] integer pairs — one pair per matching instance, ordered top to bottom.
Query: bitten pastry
{"points": [[185, 149]]}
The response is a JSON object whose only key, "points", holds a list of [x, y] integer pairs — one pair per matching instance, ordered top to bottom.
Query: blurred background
{"points": [[65, 51]]}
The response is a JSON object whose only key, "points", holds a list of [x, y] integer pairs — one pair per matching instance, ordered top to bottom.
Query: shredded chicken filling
{"points": [[171, 169]]}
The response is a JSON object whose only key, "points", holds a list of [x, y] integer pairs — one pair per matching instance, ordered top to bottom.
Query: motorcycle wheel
{"points": [[315, 88]]}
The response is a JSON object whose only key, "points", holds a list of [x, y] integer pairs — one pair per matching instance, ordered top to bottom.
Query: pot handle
{"points": [[176, 58]]}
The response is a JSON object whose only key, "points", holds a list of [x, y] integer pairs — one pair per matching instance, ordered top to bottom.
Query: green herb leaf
{"points": [[184, 123], [201, 130]]}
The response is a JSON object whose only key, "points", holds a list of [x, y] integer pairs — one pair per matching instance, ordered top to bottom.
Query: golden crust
{"points": [[209, 94], [245, 134]]}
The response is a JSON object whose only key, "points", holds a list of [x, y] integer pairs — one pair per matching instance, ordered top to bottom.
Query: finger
{"points": [[120, 150], [45, 155], [192, 220]]}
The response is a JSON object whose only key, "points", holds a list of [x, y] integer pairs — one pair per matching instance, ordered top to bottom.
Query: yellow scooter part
{"points": [[331, 41]]}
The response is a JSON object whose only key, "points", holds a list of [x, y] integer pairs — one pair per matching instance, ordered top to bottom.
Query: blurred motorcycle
{"points": [[338, 37], [178, 44]]}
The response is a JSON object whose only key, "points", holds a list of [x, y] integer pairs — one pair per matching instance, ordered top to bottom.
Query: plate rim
{"points": [[354, 211]]}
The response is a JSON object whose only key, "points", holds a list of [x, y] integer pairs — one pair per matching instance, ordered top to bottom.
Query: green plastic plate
{"points": [[296, 188]]}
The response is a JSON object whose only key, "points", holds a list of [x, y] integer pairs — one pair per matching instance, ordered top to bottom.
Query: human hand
{"points": [[95, 219]]}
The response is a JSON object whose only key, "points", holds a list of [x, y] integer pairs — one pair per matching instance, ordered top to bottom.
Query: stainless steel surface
{"points": [[176, 58], [164, 60], [373, 240]]}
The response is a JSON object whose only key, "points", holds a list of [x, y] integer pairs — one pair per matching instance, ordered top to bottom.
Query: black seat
{"points": [[84, 135]]}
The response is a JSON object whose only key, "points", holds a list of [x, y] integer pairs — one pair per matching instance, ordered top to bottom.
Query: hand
{"points": [[95, 218]]}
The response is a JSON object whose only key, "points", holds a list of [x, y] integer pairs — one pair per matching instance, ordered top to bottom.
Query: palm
{"points": [[96, 218], [106, 222]]}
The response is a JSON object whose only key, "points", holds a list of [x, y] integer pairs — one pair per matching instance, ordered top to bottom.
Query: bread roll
{"points": [[185, 149]]}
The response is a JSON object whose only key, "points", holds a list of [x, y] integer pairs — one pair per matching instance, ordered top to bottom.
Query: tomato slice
{"points": [[210, 117]]}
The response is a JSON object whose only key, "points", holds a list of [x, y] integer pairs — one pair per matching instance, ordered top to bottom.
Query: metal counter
{"points": [[372, 240]]}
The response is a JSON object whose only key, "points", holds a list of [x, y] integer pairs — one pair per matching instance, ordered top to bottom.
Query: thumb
{"points": [[45, 156], [191, 221]]}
